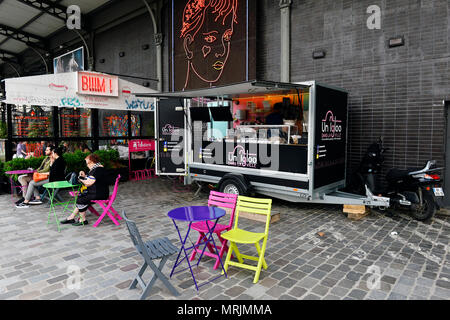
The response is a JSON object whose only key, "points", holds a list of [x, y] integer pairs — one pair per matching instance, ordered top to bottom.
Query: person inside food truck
{"points": [[275, 118]]}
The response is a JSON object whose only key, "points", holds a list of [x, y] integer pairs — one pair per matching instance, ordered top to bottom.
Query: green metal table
{"points": [[51, 188]]}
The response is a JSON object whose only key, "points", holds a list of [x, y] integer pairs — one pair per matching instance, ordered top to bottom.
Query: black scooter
{"points": [[417, 190]]}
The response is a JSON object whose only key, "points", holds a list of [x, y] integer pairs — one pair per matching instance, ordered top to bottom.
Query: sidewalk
{"points": [[413, 258]]}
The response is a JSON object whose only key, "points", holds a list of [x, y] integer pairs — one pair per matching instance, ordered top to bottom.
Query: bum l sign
{"points": [[98, 84]]}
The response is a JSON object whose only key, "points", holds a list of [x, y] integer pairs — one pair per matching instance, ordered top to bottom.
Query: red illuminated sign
{"points": [[98, 84]]}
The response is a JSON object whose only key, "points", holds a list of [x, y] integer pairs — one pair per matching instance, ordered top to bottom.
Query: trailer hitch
{"points": [[376, 201]]}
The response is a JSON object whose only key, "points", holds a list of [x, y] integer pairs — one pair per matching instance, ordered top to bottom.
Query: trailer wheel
{"points": [[232, 187]]}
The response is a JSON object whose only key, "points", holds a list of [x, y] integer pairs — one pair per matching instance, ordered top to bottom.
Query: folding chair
{"points": [[221, 200], [107, 206], [236, 235], [160, 248]]}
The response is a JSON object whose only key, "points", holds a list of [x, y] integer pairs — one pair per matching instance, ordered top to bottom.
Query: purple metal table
{"points": [[11, 173], [195, 214]]}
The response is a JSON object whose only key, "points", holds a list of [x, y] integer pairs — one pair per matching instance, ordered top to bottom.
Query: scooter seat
{"points": [[397, 174]]}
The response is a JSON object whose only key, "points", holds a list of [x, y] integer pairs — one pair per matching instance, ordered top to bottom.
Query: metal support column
{"points": [[285, 35], [55, 119], [95, 126]]}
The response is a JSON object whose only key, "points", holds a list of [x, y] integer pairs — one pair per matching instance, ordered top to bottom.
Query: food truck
{"points": [[282, 140]]}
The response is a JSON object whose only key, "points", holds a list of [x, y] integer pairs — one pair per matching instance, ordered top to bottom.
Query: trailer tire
{"points": [[232, 186]]}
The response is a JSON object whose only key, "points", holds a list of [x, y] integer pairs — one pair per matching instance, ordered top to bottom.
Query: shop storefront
{"points": [[83, 110]]}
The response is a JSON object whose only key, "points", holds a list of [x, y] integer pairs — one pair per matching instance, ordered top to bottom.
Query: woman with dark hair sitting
{"points": [[96, 182]]}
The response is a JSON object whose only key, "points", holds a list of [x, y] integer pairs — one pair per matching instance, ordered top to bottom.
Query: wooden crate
{"points": [[356, 212], [259, 217]]}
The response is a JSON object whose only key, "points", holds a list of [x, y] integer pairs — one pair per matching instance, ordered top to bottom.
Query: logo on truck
{"points": [[331, 127], [168, 129], [242, 158]]}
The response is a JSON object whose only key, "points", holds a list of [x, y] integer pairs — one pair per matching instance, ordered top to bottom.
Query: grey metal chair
{"points": [[160, 248]]}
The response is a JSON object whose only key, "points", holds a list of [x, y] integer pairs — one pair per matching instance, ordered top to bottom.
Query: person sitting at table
{"points": [[56, 173], [25, 179], [97, 185]]}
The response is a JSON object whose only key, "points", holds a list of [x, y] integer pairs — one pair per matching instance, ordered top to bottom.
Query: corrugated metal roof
{"points": [[26, 18]]}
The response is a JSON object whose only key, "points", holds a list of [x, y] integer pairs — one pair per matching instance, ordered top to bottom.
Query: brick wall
{"points": [[393, 92]]}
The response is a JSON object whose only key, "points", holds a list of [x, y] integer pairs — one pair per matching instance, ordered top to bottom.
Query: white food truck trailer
{"points": [[199, 135]]}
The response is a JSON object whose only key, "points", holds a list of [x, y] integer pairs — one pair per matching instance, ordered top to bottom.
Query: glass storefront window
{"points": [[32, 122], [75, 122], [113, 123], [145, 124], [119, 145], [72, 146]]}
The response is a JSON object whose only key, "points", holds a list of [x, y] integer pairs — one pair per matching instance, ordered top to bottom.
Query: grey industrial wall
{"points": [[128, 38], [396, 93]]}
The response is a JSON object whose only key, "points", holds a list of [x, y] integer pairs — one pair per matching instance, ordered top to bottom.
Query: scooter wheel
{"points": [[425, 211]]}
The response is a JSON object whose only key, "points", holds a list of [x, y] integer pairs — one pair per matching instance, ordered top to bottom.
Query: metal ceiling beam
{"points": [[52, 8], [22, 36], [4, 53], [9, 60]]}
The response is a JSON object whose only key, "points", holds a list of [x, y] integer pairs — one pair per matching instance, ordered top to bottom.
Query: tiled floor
{"points": [[378, 257]]}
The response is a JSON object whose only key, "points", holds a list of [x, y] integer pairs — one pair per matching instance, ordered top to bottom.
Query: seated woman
{"points": [[56, 173], [25, 179], [97, 185]]}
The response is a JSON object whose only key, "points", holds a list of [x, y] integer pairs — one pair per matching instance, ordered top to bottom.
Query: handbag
{"points": [[39, 176]]}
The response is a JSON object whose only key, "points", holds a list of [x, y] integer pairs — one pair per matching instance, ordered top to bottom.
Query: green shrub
{"points": [[3, 130], [108, 157], [74, 162], [21, 164]]}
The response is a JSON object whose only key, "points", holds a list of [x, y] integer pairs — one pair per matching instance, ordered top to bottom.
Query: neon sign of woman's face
{"points": [[207, 45]]}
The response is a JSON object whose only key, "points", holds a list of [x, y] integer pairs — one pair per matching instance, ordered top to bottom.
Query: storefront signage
{"points": [[98, 84], [78, 90], [141, 145]]}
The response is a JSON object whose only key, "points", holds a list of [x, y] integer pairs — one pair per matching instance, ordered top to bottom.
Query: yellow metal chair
{"points": [[236, 235]]}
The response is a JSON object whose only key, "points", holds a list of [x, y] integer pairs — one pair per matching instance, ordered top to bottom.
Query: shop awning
{"points": [[78, 90], [229, 91]]}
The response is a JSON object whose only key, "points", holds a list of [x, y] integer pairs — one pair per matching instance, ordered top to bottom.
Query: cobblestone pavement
{"points": [[411, 258]]}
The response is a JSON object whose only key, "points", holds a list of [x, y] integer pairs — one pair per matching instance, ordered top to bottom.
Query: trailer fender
{"points": [[239, 180]]}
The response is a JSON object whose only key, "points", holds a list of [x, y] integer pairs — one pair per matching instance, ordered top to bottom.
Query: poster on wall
{"points": [[213, 43], [69, 62]]}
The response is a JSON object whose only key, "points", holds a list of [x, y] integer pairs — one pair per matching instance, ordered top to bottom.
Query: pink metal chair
{"points": [[222, 200], [106, 205]]}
